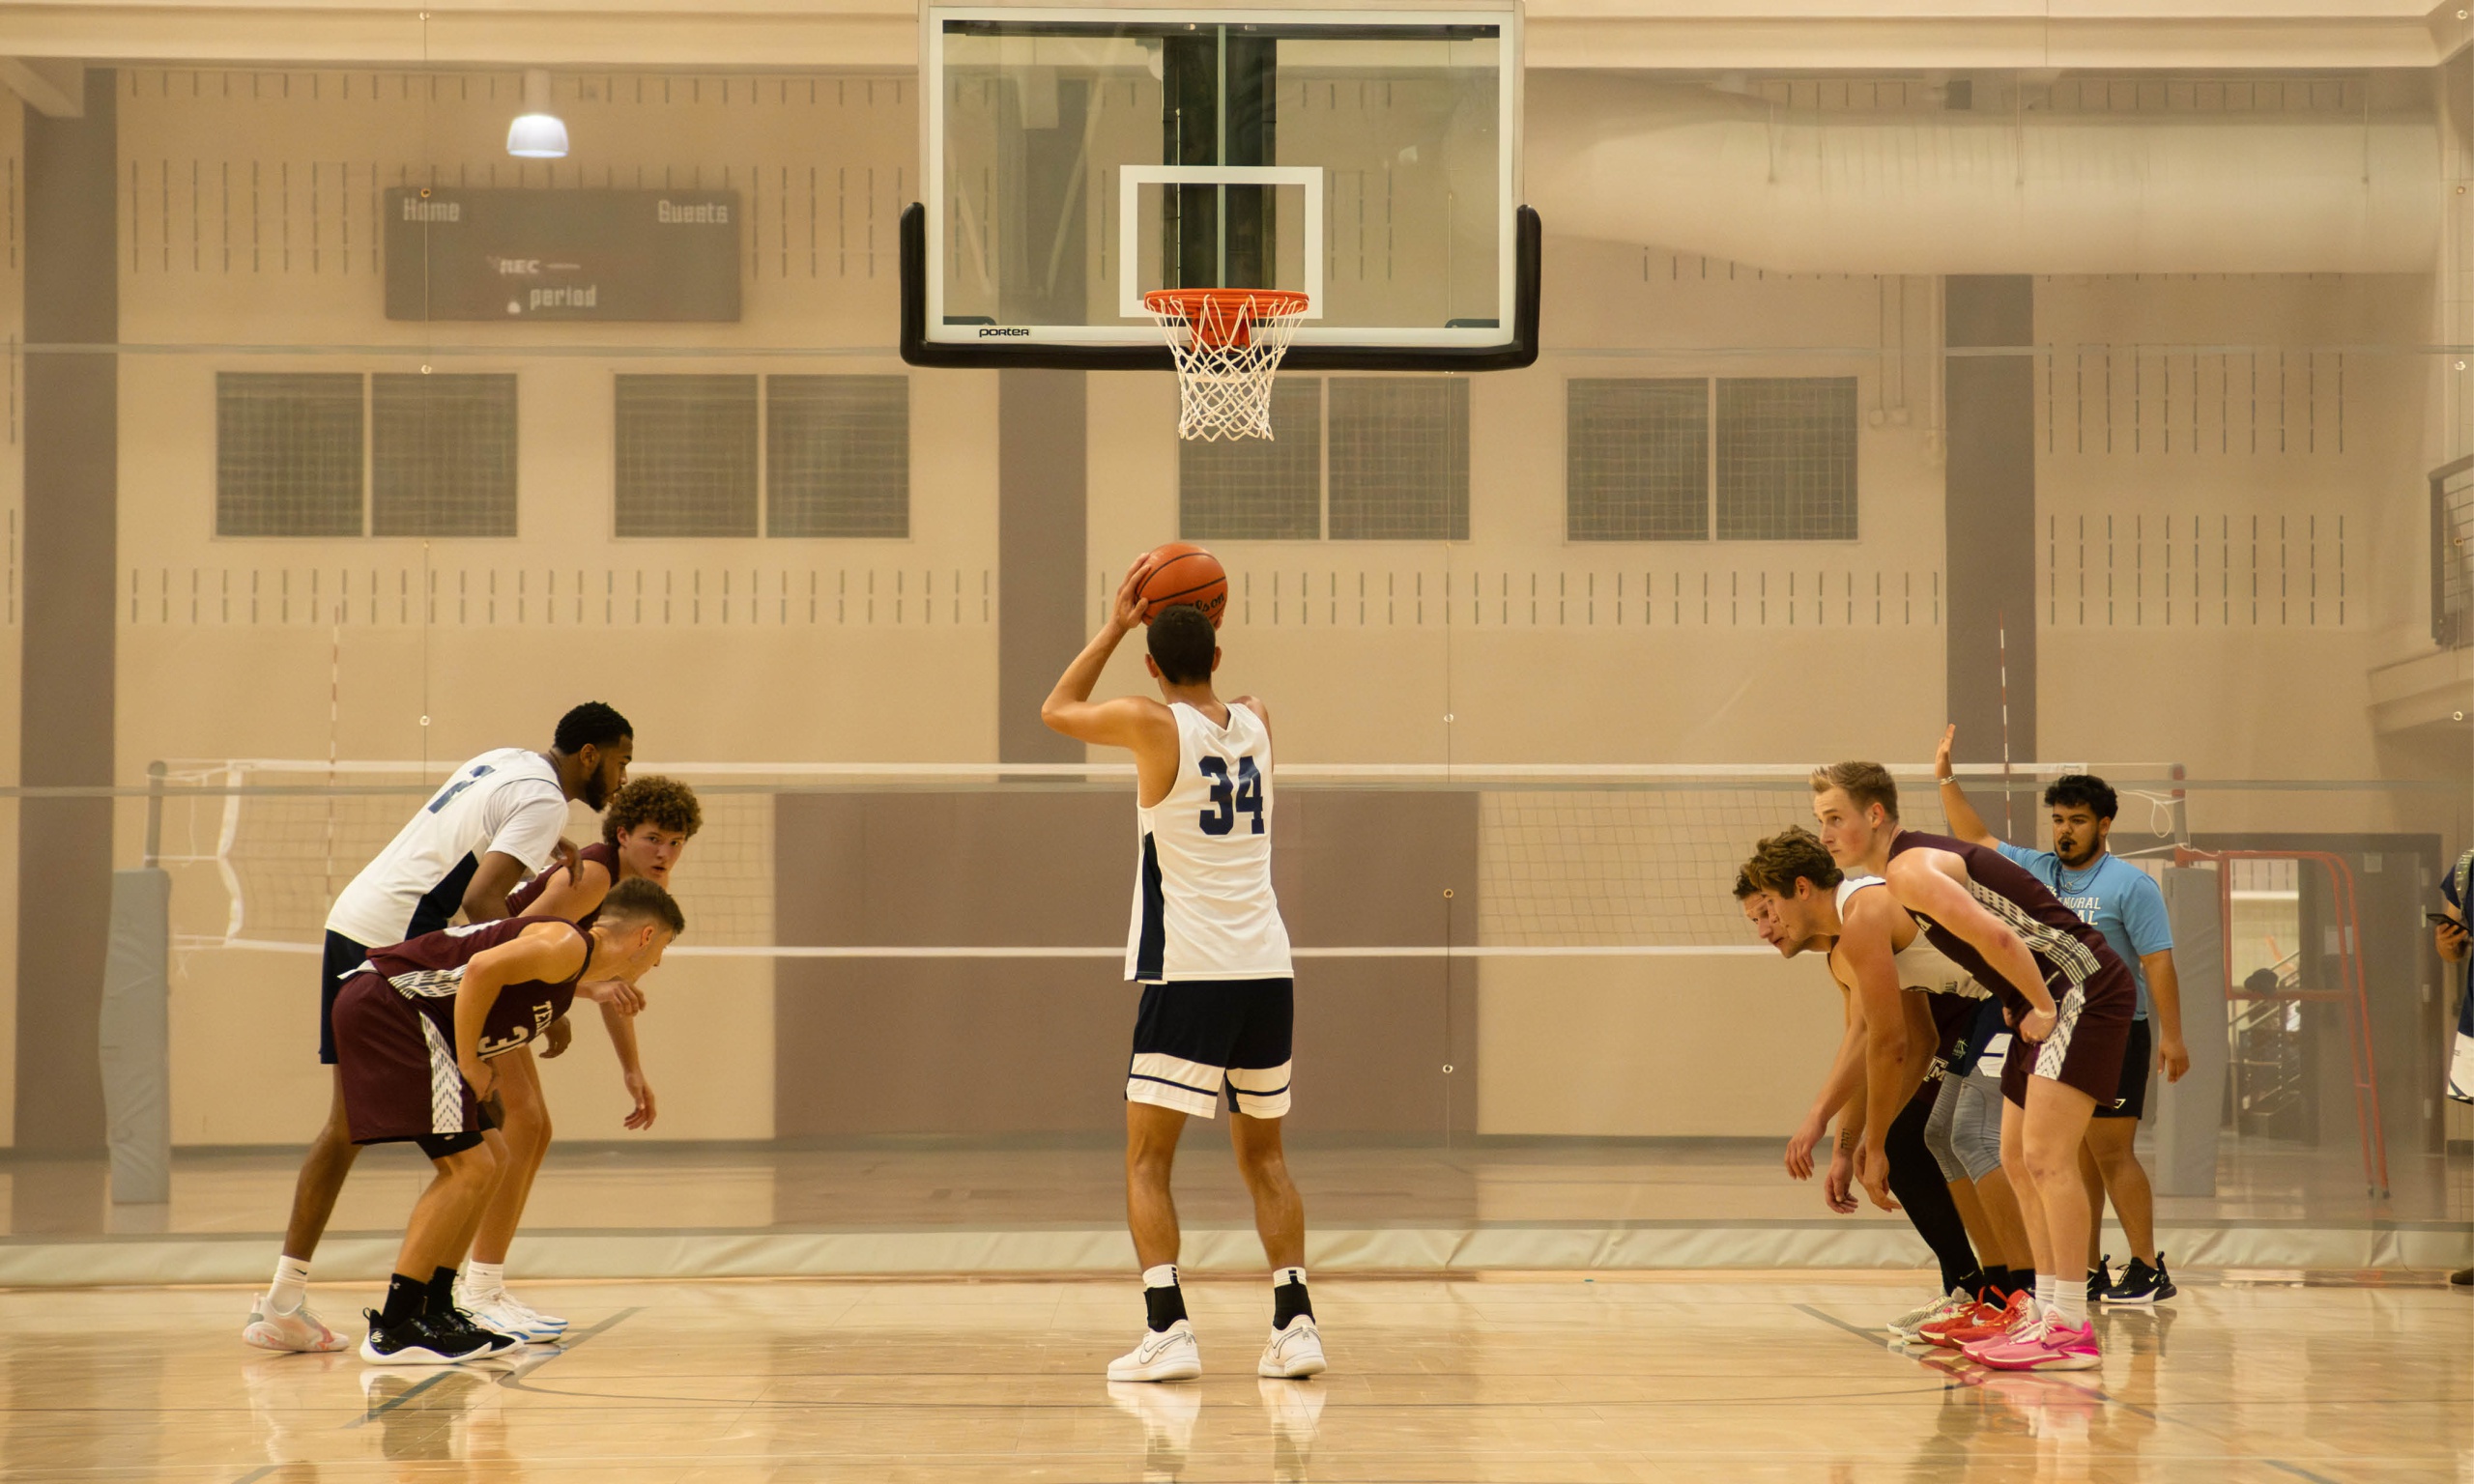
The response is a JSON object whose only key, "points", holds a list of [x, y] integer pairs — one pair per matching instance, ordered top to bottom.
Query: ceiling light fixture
{"points": [[537, 134]]}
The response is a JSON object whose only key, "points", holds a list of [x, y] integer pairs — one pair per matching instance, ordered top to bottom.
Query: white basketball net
{"points": [[1227, 347]]}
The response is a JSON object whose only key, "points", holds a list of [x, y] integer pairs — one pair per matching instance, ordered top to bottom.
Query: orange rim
{"points": [[1257, 302]]}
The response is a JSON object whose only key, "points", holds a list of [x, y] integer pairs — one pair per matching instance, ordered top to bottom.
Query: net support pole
{"points": [[135, 1036]]}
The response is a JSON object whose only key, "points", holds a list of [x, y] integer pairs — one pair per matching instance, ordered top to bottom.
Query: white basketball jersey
{"points": [[506, 801], [1202, 889], [1921, 965]]}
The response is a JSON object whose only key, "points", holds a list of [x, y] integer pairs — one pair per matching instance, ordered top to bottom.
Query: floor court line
{"points": [[1868, 1336], [514, 1379]]}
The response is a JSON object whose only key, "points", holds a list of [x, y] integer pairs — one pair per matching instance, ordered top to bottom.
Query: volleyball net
{"points": [[1603, 860]]}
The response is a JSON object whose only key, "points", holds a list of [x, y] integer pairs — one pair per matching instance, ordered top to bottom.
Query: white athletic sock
{"points": [[1163, 1276], [484, 1281], [290, 1285], [2046, 1289], [2071, 1304]]}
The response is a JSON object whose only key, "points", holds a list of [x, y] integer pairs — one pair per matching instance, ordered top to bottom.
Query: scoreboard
{"points": [[512, 255]]}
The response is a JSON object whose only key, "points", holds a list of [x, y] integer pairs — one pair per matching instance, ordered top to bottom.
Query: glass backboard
{"points": [[1079, 158]]}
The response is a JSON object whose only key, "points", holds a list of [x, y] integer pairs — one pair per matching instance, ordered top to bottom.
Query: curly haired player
{"points": [[642, 834]]}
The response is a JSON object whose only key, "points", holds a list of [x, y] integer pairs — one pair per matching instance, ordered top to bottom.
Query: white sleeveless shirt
{"points": [[1204, 906], [1921, 965]]}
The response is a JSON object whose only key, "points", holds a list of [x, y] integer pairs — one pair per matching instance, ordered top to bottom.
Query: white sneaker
{"points": [[503, 1315], [505, 1319], [551, 1322], [1907, 1325], [296, 1330], [1294, 1352], [1165, 1354]]}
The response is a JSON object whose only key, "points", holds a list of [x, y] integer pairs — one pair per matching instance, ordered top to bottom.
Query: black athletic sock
{"points": [[1915, 1179], [2002, 1281], [1973, 1284], [442, 1291], [1289, 1297], [406, 1299], [1167, 1306]]}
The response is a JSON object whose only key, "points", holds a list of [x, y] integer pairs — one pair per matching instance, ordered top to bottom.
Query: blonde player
{"points": [[1209, 948]]}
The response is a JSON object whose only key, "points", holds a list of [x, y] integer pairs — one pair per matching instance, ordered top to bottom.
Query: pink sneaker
{"points": [[2016, 1321], [2052, 1346]]}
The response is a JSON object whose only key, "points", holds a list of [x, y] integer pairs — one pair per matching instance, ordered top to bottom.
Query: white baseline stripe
{"points": [[684, 951]]}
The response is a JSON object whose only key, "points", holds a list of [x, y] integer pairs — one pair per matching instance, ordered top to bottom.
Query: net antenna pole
{"points": [[2002, 654]]}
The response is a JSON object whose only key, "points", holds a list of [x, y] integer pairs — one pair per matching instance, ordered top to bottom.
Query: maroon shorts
{"points": [[2090, 1034], [400, 1081]]}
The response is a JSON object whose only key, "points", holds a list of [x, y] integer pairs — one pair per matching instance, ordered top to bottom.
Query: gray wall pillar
{"points": [[1990, 515], [1044, 608], [65, 735]]}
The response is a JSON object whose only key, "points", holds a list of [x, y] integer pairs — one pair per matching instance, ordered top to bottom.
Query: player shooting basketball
{"points": [[1207, 945]]}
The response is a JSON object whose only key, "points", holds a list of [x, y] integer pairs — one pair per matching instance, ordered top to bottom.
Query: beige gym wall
{"points": [[1702, 653]]}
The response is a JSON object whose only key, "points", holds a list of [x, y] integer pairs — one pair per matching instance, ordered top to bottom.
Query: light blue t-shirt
{"points": [[2113, 897]]}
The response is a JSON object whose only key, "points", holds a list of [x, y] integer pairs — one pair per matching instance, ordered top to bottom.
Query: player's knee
{"points": [[2049, 1160], [1262, 1165]]}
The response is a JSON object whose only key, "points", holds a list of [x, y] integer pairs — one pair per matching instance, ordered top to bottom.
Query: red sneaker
{"points": [[1981, 1312], [2019, 1313]]}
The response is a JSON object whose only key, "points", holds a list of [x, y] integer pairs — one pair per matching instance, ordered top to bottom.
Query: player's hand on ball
{"points": [[1126, 611], [2038, 1025], [557, 1038], [642, 1118]]}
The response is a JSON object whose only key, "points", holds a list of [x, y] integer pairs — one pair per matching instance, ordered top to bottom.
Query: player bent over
{"points": [[646, 826], [1209, 948], [2069, 1000], [412, 1030]]}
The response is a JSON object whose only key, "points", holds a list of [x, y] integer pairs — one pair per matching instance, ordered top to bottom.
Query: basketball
{"points": [[1186, 573]]}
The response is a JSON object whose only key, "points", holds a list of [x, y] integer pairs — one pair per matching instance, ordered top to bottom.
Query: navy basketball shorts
{"points": [[340, 961], [1195, 1039]]}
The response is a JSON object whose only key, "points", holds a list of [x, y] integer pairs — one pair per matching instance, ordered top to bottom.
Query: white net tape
{"points": [[1228, 347]]}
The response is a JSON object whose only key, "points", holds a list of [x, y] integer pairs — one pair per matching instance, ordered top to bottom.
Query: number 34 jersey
{"points": [[1204, 906]]}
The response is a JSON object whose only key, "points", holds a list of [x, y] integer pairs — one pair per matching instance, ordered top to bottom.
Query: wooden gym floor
{"points": [[1730, 1377]]}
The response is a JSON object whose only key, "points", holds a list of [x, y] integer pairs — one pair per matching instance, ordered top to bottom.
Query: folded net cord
{"points": [[1227, 344], [1612, 861]]}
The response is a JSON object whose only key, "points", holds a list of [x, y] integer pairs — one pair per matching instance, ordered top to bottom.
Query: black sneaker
{"points": [[2100, 1279], [2143, 1284], [463, 1327], [420, 1341]]}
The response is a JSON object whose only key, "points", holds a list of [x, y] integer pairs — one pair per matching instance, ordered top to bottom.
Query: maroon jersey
{"points": [[601, 852], [2073, 954], [428, 970]]}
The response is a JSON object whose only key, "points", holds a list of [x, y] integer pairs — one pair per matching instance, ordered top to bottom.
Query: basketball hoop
{"points": [[1229, 343]]}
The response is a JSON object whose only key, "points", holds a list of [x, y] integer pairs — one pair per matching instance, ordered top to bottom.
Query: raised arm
{"points": [[1137, 723], [1965, 822], [1928, 891]]}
